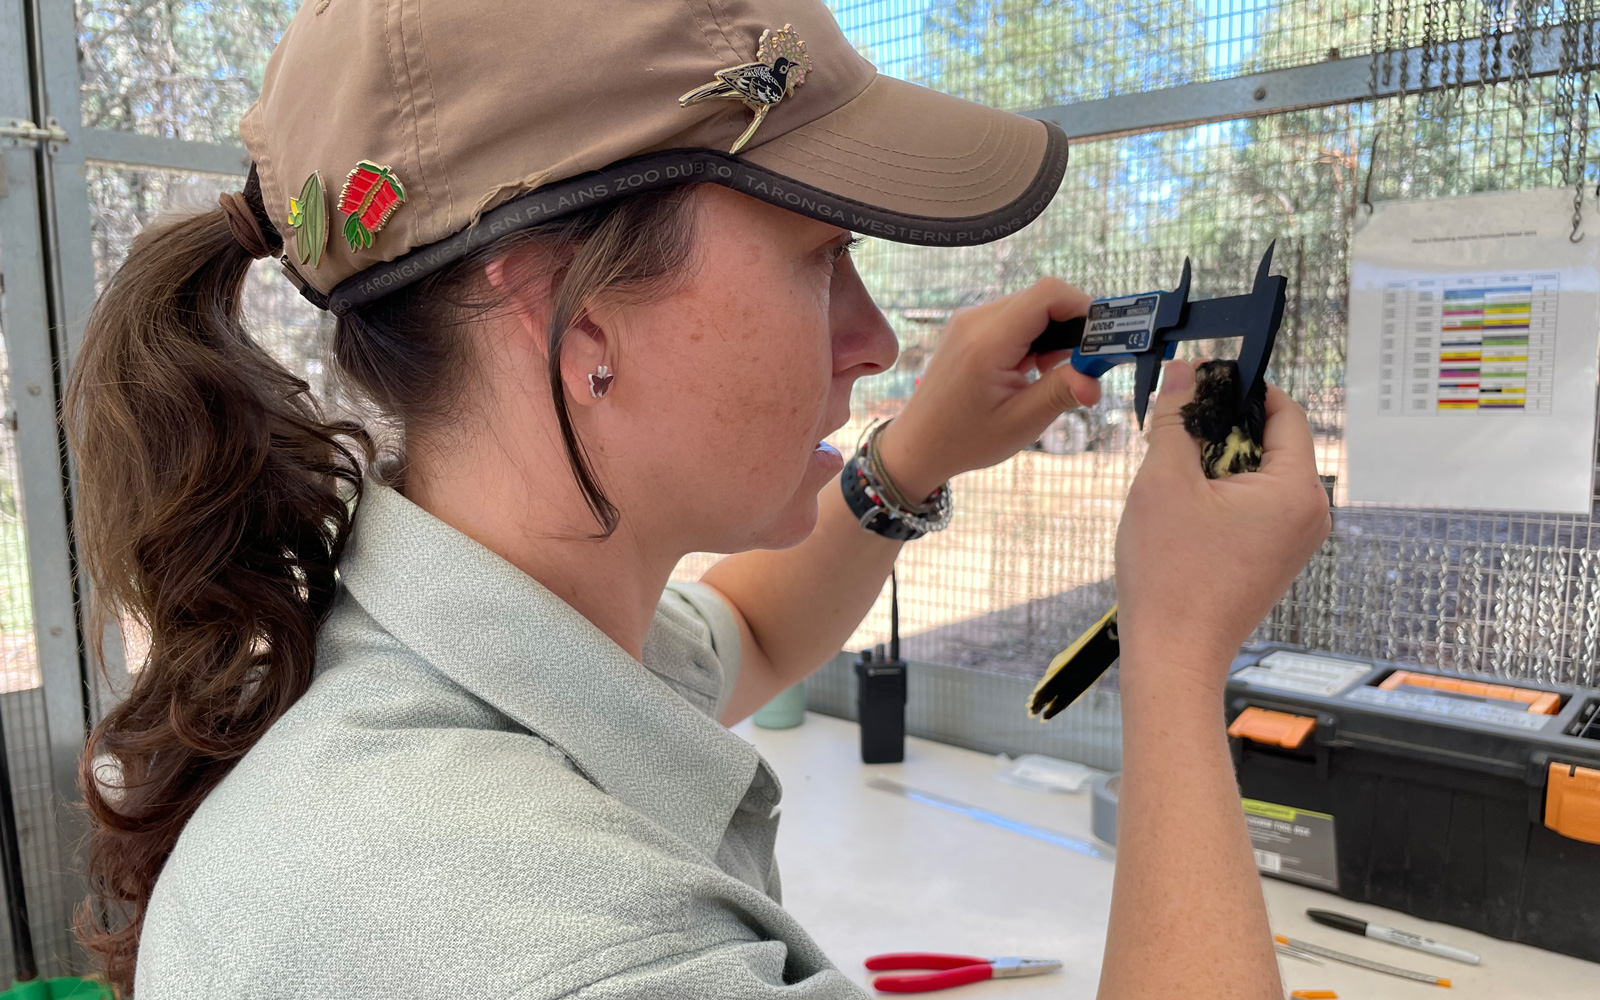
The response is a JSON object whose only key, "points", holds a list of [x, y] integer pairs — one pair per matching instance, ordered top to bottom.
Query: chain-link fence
{"points": [[1028, 562]]}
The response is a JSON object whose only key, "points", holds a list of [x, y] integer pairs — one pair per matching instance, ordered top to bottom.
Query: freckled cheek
{"points": [[759, 351], [769, 384]]}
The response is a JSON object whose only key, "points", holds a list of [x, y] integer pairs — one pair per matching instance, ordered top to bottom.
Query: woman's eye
{"points": [[844, 249]]}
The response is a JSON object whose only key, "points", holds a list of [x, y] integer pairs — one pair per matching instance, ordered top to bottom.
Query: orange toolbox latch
{"points": [[1278, 728], [1572, 802]]}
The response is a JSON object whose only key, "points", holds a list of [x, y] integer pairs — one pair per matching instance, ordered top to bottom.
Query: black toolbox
{"points": [[1446, 796]]}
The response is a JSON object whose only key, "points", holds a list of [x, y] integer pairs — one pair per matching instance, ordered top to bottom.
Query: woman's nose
{"points": [[861, 334]]}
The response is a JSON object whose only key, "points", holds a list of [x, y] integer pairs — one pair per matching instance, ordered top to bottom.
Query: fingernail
{"points": [[1177, 375]]}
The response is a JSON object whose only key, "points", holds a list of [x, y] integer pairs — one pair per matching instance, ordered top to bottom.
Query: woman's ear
{"points": [[526, 299], [589, 342], [588, 359]]}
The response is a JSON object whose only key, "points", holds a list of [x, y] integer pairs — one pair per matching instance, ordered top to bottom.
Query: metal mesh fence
{"points": [[1021, 54], [175, 68], [189, 69], [1028, 562], [23, 713], [50, 886]]}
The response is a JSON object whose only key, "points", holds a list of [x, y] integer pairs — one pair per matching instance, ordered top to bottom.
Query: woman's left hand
{"points": [[974, 406]]}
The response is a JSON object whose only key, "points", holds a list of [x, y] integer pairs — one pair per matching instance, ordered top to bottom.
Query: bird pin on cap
{"points": [[781, 65]]}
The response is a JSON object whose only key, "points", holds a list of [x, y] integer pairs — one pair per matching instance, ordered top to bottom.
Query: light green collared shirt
{"points": [[482, 795]]}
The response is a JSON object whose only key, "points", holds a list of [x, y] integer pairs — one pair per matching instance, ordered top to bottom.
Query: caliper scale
{"points": [[1145, 329]]}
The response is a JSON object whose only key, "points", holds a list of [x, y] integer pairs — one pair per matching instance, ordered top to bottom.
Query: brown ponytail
{"points": [[214, 500]]}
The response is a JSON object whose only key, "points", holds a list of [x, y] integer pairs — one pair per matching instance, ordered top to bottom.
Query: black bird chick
{"points": [[1229, 435], [1230, 443]]}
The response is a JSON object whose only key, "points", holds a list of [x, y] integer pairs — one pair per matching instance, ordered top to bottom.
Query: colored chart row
{"points": [[1469, 342]]}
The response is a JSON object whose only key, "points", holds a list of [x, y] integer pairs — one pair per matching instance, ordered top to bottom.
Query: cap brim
{"points": [[898, 161], [913, 165]]}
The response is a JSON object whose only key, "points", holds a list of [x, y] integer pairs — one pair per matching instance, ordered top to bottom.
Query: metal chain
{"points": [[1430, 13], [1376, 21], [1382, 21], [1484, 25], [1458, 35], [1498, 40], [1388, 41], [1402, 44], [1522, 64], [1566, 65], [1550, 580], [1396, 593], [1431, 602], [1527, 607], [1500, 613], [1449, 615], [1535, 621], [1469, 630]]}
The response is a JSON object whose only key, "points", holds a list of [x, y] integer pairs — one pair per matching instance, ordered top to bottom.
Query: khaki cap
{"points": [[474, 118]]}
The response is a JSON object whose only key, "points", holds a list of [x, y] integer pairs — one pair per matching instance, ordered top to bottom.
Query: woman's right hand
{"points": [[1201, 561]]}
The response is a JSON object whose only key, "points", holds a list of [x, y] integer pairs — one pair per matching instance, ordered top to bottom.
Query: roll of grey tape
{"points": [[1103, 808]]}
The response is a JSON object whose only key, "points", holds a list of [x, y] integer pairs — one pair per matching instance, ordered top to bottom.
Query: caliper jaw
{"points": [[1144, 330]]}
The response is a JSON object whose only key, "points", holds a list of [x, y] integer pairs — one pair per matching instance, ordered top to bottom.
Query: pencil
{"points": [[1339, 956]]}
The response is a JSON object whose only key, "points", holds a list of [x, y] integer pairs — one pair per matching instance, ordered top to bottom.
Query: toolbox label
{"points": [[1119, 326], [1303, 673], [1454, 706], [1293, 844]]}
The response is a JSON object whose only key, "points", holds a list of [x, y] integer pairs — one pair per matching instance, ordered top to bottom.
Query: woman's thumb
{"points": [[1169, 441]]}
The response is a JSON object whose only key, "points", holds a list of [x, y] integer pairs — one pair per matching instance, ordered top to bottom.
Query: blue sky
{"points": [[892, 30]]}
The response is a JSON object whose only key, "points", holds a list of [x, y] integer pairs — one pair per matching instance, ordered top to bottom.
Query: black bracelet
{"points": [[868, 501]]}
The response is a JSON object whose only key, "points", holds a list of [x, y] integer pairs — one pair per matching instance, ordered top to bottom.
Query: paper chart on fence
{"points": [[1470, 379]]}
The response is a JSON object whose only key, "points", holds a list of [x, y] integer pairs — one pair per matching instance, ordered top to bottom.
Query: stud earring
{"points": [[600, 381]]}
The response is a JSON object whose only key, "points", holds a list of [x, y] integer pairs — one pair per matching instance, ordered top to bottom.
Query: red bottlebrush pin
{"points": [[371, 194]]}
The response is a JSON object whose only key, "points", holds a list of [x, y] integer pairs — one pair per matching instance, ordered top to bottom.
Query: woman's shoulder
{"points": [[381, 750], [390, 806]]}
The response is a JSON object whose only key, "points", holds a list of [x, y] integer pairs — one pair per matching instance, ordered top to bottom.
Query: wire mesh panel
{"points": [[1020, 54], [175, 68], [19, 667], [22, 710], [44, 858]]}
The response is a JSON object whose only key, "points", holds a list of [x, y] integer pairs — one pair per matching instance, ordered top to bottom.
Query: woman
{"points": [[437, 724]]}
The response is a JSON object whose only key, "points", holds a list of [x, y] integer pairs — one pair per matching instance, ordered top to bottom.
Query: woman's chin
{"points": [[788, 522], [793, 526]]}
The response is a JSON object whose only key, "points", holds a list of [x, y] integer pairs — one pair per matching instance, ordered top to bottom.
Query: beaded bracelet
{"points": [[880, 505]]}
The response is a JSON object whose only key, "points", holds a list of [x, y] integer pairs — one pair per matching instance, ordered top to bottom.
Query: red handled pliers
{"points": [[954, 970]]}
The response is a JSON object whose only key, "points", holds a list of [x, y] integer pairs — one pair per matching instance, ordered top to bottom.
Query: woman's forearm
{"points": [[802, 603], [1187, 916]]}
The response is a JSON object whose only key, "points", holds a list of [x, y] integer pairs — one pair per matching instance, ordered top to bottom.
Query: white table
{"points": [[867, 871]]}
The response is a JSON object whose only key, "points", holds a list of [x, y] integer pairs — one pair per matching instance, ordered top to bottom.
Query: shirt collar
{"points": [[500, 634]]}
